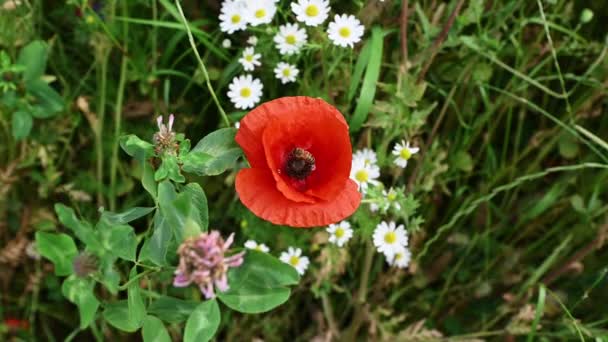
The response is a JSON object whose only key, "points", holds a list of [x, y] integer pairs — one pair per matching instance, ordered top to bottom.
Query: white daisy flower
{"points": [[260, 11], [311, 12], [232, 17], [345, 30], [290, 39], [253, 40], [226, 43], [250, 59], [286, 72], [245, 91], [404, 152], [368, 155], [364, 174], [390, 201], [340, 233], [389, 239], [257, 246], [293, 256], [401, 258]]}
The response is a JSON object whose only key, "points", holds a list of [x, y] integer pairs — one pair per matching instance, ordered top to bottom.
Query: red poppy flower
{"points": [[300, 156], [16, 324]]}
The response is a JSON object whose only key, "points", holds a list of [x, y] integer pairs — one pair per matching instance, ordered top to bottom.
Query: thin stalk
{"points": [[202, 65], [101, 110], [118, 110]]}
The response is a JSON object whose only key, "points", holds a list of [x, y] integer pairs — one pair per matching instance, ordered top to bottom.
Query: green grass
{"points": [[508, 209]]}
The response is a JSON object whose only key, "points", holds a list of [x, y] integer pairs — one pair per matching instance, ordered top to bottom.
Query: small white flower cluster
{"points": [[236, 15], [392, 241], [293, 256]]}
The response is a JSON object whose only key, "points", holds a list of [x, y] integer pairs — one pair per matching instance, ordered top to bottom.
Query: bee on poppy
{"points": [[300, 155]]}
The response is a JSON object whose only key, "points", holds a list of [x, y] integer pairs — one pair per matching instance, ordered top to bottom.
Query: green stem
{"points": [[202, 65], [101, 110], [118, 112]]}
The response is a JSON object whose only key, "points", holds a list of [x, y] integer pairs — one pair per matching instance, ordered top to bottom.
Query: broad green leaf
{"points": [[33, 58], [368, 89], [48, 101], [21, 124], [136, 148], [222, 148], [194, 161], [169, 168], [147, 180], [199, 201], [178, 209], [126, 216], [82, 229], [120, 240], [159, 242], [60, 249], [109, 276], [259, 285], [80, 292], [137, 309], [172, 310], [117, 314], [203, 322], [154, 330]]}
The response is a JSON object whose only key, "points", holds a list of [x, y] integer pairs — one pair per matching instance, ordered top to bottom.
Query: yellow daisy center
{"points": [[312, 11], [261, 13], [235, 19], [344, 32], [290, 39], [249, 58], [286, 72], [245, 92], [405, 153], [362, 176], [392, 196], [339, 233], [390, 238], [258, 248], [398, 256], [294, 261]]}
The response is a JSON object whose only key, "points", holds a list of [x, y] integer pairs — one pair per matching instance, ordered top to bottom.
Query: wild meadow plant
{"points": [[332, 170]]}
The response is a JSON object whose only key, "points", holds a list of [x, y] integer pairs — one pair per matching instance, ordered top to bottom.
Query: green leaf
{"points": [[33, 58], [362, 61], [368, 89], [48, 101], [21, 124], [136, 148], [221, 148], [194, 161], [463, 161], [169, 168], [147, 180], [199, 201], [126, 216], [182, 216], [82, 229], [120, 240], [159, 242], [60, 249], [109, 276], [260, 284], [80, 292], [137, 309], [172, 310], [117, 314], [203, 322], [154, 330]]}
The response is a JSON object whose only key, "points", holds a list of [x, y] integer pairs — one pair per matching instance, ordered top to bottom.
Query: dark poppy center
{"points": [[300, 163]]}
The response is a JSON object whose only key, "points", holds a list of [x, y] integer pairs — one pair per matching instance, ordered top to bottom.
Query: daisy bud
{"points": [[203, 261]]}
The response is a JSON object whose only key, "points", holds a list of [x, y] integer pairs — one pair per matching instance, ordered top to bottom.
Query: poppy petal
{"points": [[252, 126], [321, 134], [257, 191]]}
